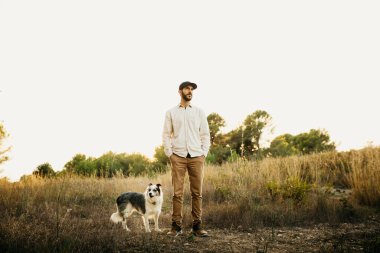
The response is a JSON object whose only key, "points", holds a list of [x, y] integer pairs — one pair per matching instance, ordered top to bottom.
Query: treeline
{"points": [[245, 141], [108, 165]]}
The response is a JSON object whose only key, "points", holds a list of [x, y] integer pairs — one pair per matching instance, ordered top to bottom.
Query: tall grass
{"points": [[365, 176], [72, 213]]}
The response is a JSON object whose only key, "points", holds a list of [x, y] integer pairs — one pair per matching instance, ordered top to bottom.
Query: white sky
{"points": [[96, 76]]}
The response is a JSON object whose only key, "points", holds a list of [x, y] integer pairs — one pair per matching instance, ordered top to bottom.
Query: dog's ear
{"points": [[150, 184], [158, 185]]}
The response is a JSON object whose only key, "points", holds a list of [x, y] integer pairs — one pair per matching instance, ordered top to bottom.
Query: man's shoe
{"points": [[176, 230], [198, 231]]}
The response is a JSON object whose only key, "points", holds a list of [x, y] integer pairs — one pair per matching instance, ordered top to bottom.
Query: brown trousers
{"points": [[194, 166]]}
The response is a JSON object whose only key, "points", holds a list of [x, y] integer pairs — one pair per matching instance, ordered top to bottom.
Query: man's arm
{"points": [[167, 132], [204, 133]]}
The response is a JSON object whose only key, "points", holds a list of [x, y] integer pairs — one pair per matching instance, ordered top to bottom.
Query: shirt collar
{"points": [[180, 106]]}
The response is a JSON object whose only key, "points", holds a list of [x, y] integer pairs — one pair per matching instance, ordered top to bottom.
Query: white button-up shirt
{"points": [[186, 131]]}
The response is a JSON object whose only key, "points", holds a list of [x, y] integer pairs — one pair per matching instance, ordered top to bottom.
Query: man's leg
{"points": [[179, 166], [195, 169]]}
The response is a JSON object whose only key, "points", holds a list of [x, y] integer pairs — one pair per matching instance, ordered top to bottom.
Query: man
{"points": [[186, 140]]}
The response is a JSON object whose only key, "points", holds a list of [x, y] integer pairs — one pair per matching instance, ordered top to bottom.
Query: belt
{"points": [[188, 155]]}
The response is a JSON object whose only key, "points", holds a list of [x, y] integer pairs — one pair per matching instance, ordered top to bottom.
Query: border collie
{"points": [[148, 204]]}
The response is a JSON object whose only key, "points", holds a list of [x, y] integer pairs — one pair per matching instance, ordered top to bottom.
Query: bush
{"points": [[218, 155], [44, 170], [293, 188]]}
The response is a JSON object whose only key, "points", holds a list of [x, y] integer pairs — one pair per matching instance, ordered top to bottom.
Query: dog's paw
{"points": [[158, 230]]}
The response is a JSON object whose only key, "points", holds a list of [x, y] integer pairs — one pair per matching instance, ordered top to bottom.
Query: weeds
{"points": [[293, 188], [72, 214]]}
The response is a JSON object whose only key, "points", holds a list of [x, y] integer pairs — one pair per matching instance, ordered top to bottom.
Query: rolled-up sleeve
{"points": [[166, 135]]}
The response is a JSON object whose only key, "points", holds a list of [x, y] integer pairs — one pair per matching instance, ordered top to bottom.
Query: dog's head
{"points": [[153, 191]]}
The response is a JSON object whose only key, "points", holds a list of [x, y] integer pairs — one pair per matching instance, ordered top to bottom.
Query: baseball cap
{"points": [[184, 84]]}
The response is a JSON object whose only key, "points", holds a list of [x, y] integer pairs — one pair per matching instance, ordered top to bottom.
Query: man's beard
{"points": [[185, 97]]}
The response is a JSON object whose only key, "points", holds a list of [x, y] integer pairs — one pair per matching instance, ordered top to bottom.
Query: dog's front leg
{"points": [[156, 222], [146, 223], [124, 224]]}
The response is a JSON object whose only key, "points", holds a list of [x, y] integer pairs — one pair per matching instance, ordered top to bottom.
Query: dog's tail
{"points": [[116, 217]]}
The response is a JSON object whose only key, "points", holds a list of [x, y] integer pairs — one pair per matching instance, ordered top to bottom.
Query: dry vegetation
{"points": [[245, 198]]}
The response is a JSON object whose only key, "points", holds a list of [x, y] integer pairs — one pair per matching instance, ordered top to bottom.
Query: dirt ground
{"points": [[346, 237]]}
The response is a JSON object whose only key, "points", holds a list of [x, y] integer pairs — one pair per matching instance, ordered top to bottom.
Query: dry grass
{"points": [[72, 214]]}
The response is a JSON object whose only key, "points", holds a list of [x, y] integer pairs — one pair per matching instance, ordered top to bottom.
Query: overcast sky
{"points": [[96, 76]]}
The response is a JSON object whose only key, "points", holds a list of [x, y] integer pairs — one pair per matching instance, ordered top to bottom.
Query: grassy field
{"points": [[71, 214]]}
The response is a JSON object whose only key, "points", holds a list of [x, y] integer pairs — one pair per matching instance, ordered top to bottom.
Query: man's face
{"points": [[187, 93]]}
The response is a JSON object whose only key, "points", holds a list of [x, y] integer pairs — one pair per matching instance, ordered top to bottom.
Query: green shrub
{"points": [[274, 189], [295, 189]]}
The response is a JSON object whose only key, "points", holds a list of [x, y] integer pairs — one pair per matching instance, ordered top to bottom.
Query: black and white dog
{"points": [[148, 204]]}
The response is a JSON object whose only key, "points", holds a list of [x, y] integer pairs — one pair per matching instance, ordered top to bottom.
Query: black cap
{"points": [[184, 84]]}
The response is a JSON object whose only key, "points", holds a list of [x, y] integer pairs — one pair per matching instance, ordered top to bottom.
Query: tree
{"points": [[215, 122], [253, 127], [3, 135], [234, 139], [314, 141], [304, 143], [283, 145], [218, 154], [160, 159], [74, 163], [108, 164], [138, 164], [81, 165], [86, 167], [44, 170]]}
